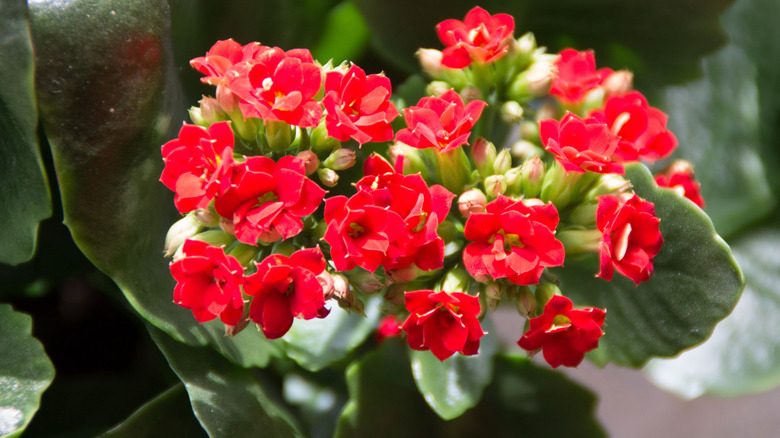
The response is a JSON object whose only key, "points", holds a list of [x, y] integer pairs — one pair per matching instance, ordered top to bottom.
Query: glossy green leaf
{"points": [[623, 33], [345, 36], [106, 117], [24, 196], [696, 283], [317, 343], [743, 354], [25, 372], [455, 385], [318, 397], [227, 400], [522, 400], [168, 414]]}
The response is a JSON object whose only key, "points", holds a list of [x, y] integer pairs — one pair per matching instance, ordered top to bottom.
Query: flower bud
{"points": [[526, 44], [430, 61], [618, 83], [437, 88], [470, 93], [594, 99], [207, 112], [511, 112], [246, 129], [530, 131], [279, 135], [321, 142], [524, 149], [484, 154], [340, 159], [310, 161], [413, 162], [503, 162], [533, 173], [328, 177], [514, 182], [558, 184], [608, 184], [495, 185], [471, 201], [584, 215], [227, 225], [183, 229], [448, 231], [212, 237], [580, 241], [244, 253], [404, 275], [456, 279], [365, 282], [328, 284], [340, 287], [493, 292], [544, 292], [395, 295], [344, 296], [526, 301], [232, 330]]}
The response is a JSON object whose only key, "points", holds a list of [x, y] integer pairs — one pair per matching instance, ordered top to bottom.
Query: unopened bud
{"points": [[430, 61], [618, 83], [437, 88], [470, 93], [594, 99], [547, 111], [208, 112], [511, 112], [529, 130], [278, 134], [321, 142], [524, 149], [484, 154], [340, 159], [310, 161], [413, 162], [503, 162], [533, 173], [328, 177], [514, 182], [608, 184], [495, 185], [471, 201], [584, 215], [180, 231], [448, 231], [217, 238], [578, 241], [244, 253], [404, 275], [456, 280], [365, 282], [328, 284], [493, 292], [544, 292], [396, 295], [526, 301], [232, 330]]}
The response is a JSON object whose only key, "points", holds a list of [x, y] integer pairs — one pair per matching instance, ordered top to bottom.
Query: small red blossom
{"points": [[480, 37], [575, 75], [279, 86], [358, 106], [443, 123], [642, 128], [581, 144], [197, 164], [680, 178], [266, 200], [422, 209], [360, 231], [631, 236], [513, 240], [208, 282], [286, 287], [443, 322], [389, 327], [563, 333]]}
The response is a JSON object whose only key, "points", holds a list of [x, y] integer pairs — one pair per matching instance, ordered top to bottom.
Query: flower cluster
{"points": [[274, 228]]}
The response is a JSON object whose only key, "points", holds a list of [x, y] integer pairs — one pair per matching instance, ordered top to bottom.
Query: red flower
{"points": [[480, 37], [575, 75], [280, 86], [358, 106], [443, 123], [642, 128], [581, 145], [197, 164], [679, 177], [266, 200], [422, 209], [359, 231], [631, 237], [512, 239], [208, 282], [286, 287], [443, 322], [388, 328], [563, 333]]}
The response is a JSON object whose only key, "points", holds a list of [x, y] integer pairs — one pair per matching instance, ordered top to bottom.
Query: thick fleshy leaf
{"points": [[345, 35], [106, 118], [24, 196], [696, 283], [317, 343], [743, 354], [25, 372], [455, 385], [227, 400], [521, 400], [168, 414]]}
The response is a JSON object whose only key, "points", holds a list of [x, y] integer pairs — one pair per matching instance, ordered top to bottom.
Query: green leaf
{"points": [[345, 36], [105, 89], [24, 197], [696, 283], [317, 343], [743, 354], [25, 372], [455, 385], [227, 400], [522, 400], [168, 414]]}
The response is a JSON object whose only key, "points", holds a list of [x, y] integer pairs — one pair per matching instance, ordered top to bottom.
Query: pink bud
{"points": [[430, 61], [618, 83], [340, 159], [310, 161], [329, 177], [471, 201]]}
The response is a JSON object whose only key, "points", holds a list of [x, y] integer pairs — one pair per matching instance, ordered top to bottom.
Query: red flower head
{"points": [[480, 37], [575, 75], [279, 86], [358, 106], [443, 123], [642, 128], [581, 145], [197, 164], [679, 177], [266, 200], [422, 209], [359, 231], [631, 237], [512, 239], [208, 282], [286, 287], [443, 322], [388, 328], [563, 333]]}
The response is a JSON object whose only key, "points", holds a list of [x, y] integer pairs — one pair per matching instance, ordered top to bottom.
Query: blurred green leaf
{"points": [[345, 36], [106, 92], [25, 194], [696, 283], [743, 354], [25, 372], [455, 385], [228, 400], [521, 400], [168, 414]]}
